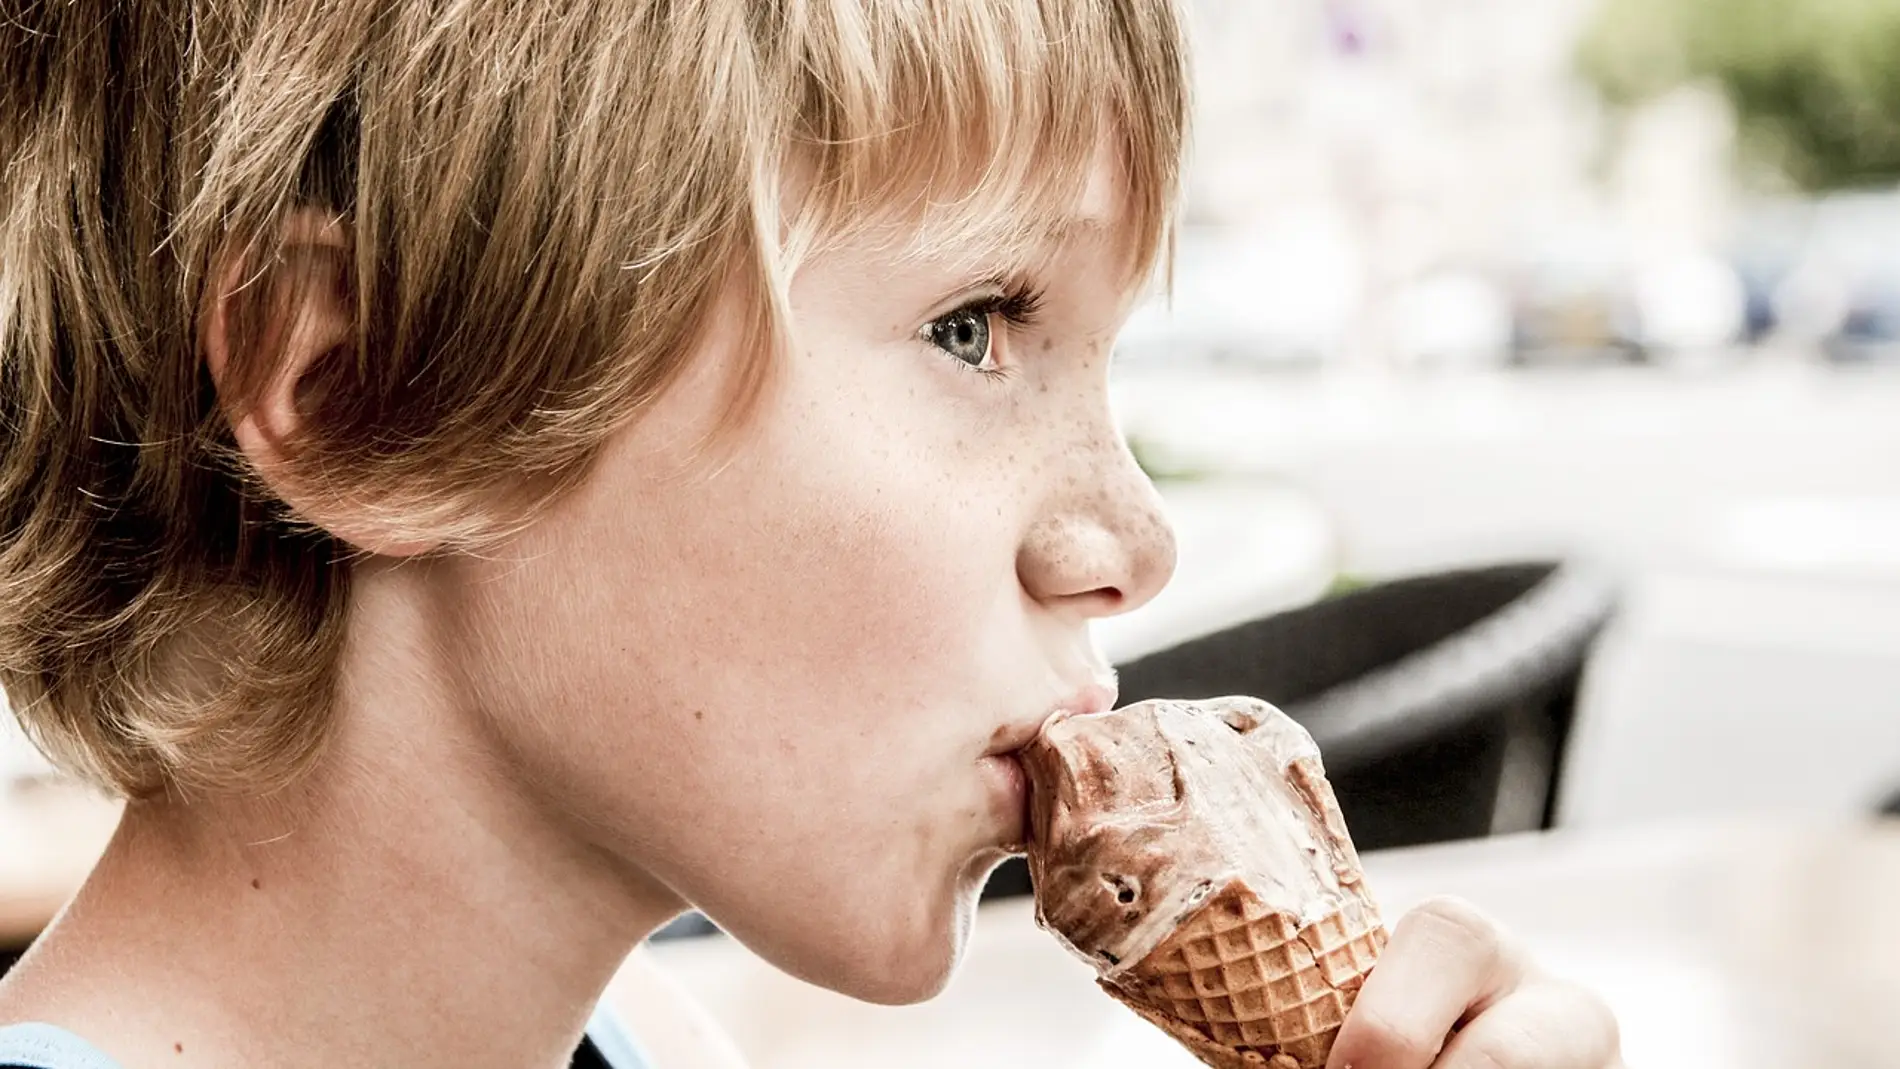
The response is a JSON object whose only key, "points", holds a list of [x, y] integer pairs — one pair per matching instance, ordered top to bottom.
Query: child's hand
{"points": [[1449, 967]]}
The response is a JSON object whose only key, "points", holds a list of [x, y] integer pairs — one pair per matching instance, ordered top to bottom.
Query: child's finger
{"points": [[1444, 963], [1540, 1026]]}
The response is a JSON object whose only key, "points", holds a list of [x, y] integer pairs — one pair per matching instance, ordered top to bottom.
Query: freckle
{"points": [[1047, 344], [257, 885]]}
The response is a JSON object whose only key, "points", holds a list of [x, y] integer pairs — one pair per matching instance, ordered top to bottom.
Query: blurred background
{"points": [[1604, 283], [1527, 400]]}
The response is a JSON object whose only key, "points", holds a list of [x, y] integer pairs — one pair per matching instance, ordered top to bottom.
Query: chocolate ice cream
{"points": [[1194, 853]]}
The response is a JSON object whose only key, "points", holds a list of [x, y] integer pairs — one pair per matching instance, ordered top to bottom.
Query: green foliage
{"points": [[1815, 84], [1160, 464], [1344, 583]]}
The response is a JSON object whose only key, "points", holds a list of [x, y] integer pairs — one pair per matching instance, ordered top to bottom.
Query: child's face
{"points": [[775, 679]]}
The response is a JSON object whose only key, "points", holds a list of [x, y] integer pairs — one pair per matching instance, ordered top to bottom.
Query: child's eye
{"points": [[968, 333], [965, 335]]}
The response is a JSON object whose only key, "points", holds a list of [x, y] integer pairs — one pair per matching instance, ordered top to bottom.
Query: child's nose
{"points": [[1102, 544]]}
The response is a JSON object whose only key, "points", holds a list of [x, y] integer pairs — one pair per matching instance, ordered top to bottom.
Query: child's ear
{"points": [[299, 314]]}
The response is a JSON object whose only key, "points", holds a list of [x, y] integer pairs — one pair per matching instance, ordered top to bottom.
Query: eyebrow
{"points": [[1083, 224], [1029, 246]]}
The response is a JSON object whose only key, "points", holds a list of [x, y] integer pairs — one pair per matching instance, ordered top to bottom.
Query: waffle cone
{"points": [[1194, 853], [1242, 985]]}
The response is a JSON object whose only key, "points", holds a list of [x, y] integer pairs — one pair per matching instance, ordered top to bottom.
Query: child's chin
{"points": [[892, 951], [909, 970], [918, 980]]}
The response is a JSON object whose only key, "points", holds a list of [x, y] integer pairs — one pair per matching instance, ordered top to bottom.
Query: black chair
{"points": [[1441, 703]]}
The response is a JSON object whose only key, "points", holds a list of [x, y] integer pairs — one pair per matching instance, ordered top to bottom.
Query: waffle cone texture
{"points": [[1242, 985]]}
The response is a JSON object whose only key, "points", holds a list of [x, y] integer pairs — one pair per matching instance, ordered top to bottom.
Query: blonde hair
{"points": [[545, 198]]}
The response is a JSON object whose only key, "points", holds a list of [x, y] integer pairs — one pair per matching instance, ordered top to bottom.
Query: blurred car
{"points": [[1572, 307]]}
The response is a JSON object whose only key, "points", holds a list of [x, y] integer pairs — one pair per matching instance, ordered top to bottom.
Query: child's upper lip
{"points": [[1097, 696]]}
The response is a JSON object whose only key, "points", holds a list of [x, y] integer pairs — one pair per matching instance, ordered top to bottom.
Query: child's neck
{"points": [[380, 908]]}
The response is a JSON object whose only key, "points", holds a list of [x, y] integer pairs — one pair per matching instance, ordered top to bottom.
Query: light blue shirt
{"points": [[42, 1046]]}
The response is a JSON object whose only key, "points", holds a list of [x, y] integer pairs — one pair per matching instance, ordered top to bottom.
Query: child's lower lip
{"points": [[1009, 797]]}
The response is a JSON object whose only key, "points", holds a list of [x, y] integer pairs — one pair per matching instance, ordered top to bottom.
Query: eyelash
{"points": [[1019, 304]]}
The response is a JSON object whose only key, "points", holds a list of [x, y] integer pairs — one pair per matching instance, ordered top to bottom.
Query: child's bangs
{"points": [[976, 125]]}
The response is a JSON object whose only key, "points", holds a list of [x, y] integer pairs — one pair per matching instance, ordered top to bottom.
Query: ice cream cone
{"points": [[1194, 853], [1241, 984]]}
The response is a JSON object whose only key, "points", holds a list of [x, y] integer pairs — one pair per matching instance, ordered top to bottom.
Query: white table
{"points": [[1719, 946]]}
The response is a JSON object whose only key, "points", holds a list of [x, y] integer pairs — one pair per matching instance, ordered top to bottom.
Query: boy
{"points": [[481, 477]]}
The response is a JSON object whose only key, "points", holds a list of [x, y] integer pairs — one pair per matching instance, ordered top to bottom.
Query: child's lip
{"points": [[1096, 697]]}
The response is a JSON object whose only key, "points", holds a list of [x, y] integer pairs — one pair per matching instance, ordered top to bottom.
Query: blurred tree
{"points": [[1815, 85]]}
